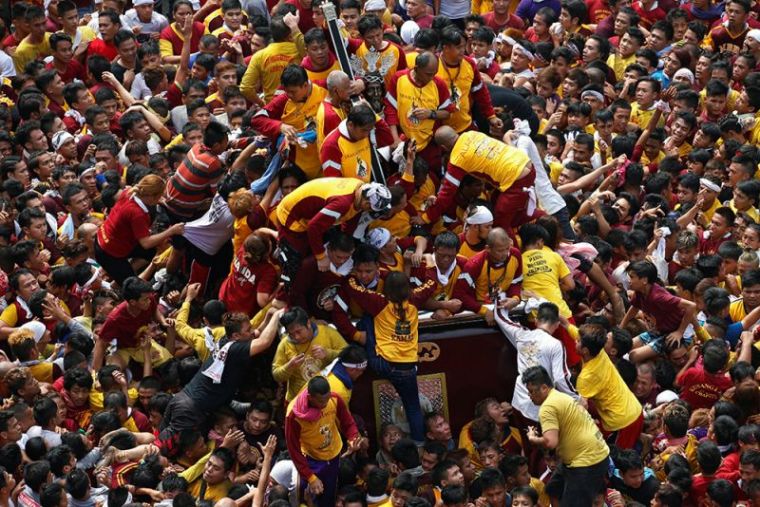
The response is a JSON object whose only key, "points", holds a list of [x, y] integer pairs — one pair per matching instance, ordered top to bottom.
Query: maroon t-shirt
{"points": [[512, 22], [74, 70], [662, 306], [122, 326], [701, 389]]}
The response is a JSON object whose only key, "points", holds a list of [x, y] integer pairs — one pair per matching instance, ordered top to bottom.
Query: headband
{"points": [[530, 56], [87, 171], [709, 185], [358, 366]]}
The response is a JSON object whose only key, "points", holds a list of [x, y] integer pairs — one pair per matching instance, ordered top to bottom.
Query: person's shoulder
{"points": [[478, 259], [328, 331]]}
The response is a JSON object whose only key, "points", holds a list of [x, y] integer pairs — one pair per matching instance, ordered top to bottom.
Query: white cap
{"points": [[138, 3], [374, 5], [408, 31], [754, 34], [688, 74], [61, 138], [481, 216], [379, 237], [36, 327], [665, 397], [283, 474]]}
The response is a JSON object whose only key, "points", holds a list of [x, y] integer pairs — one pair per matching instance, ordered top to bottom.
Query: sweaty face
{"points": [[107, 28], [128, 50], [499, 251], [444, 256], [365, 272], [300, 333], [257, 422], [439, 429], [214, 472], [496, 496]]}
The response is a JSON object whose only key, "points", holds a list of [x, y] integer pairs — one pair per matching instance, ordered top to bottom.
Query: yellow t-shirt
{"points": [[27, 52], [618, 64], [266, 66], [460, 82], [406, 97], [730, 101], [641, 117], [489, 159], [752, 211], [708, 214], [542, 271], [736, 310], [10, 315], [324, 336], [600, 381], [338, 387], [96, 398], [321, 439], [580, 441], [213, 493]]}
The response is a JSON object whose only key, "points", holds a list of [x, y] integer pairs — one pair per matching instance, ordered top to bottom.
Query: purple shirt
{"points": [[528, 8], [606, 27], [662, 306]]}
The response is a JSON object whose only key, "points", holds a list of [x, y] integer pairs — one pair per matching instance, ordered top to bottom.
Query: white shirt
{"points": [[455, 9], [157, 22], [96, 28], [7, 69], [140, 90], [179, 117], [153, 148], [548, 198], [211, 231], [535, 347], [51, 438]]}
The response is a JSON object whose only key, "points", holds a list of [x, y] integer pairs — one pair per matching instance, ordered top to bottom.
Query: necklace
{"points": [[452, 81], [494, 288]]}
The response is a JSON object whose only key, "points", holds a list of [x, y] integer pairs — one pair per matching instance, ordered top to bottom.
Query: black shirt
{"points": [[209, 396]]}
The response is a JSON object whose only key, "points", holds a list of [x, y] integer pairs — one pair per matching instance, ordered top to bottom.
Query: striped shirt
{"points": [[194, 182]]}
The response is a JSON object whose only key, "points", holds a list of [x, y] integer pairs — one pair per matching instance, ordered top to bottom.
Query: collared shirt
{"points": [[157, 22]]}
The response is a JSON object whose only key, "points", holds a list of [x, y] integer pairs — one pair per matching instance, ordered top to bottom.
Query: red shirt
{"points": [[597, 10], [305, 16], [648, 17], [512, 22], [11, 41], [103, 48], [74, 70], [194, 182], [127, 223], [238, 292], [122, 326], [701, 389], [141, 421], [699, 488]]}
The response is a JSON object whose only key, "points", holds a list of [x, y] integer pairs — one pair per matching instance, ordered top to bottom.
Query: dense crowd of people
{"points": [[216, 216]]}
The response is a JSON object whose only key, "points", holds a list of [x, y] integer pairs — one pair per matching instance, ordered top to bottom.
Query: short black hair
{"points": [[537, 375]]}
